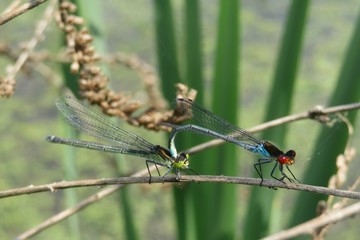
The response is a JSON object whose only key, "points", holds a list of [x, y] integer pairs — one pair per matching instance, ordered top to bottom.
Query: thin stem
{"points": [[7, 16], [173, 179], [77, 208], [311, 226]]}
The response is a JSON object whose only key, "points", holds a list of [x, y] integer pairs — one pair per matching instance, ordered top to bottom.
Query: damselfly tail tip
{"points": [[50, 138]]}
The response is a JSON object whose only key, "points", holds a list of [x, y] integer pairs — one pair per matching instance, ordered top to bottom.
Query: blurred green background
{"points": [[316, 64]]}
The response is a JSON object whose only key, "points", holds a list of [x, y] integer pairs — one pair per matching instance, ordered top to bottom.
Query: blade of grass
{"points": [[93, 14], [166, 47], [193, 61], [170, 75], [194, 77], [224, 102], [69, 159], [324, 166], [70, 169], [260, 209]]}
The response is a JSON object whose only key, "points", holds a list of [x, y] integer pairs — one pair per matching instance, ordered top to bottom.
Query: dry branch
{"points": [[7, 16], [7, 84], [52, 187], [311, 226]]}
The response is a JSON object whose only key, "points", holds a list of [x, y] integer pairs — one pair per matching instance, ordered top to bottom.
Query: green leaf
{"points": [[166, 47], [224, 102], [323, 166], [259, 213]]}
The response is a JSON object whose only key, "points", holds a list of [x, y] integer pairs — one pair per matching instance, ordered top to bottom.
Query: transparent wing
{"points": [[209, 120], [96, 124]]}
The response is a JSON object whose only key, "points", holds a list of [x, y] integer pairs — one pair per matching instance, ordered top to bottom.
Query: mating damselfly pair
{"points": [[98, 125]]}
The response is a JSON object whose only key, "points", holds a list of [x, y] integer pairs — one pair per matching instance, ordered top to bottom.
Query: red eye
{"points": [[284, 159]]}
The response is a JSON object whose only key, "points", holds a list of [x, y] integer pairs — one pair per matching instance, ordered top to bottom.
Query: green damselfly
{"points": [[96, 124]]}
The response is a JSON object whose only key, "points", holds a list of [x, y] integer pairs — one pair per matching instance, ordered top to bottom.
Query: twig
{"points": [[12, 6], [4, 18], [38, 35], [146, 72], [94, 83], [8, 84], [311, 114], [198, 179], [80, 206], [329, 207], [68, 212], [310, 226]]}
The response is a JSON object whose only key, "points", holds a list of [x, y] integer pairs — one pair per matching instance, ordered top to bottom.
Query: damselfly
{"points": [[207, 123], [96, 124]]}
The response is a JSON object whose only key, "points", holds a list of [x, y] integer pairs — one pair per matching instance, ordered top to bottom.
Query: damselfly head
{"points": [[291, 154], [183, 156], [287, 158], [283, 159], [182, 164]]}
